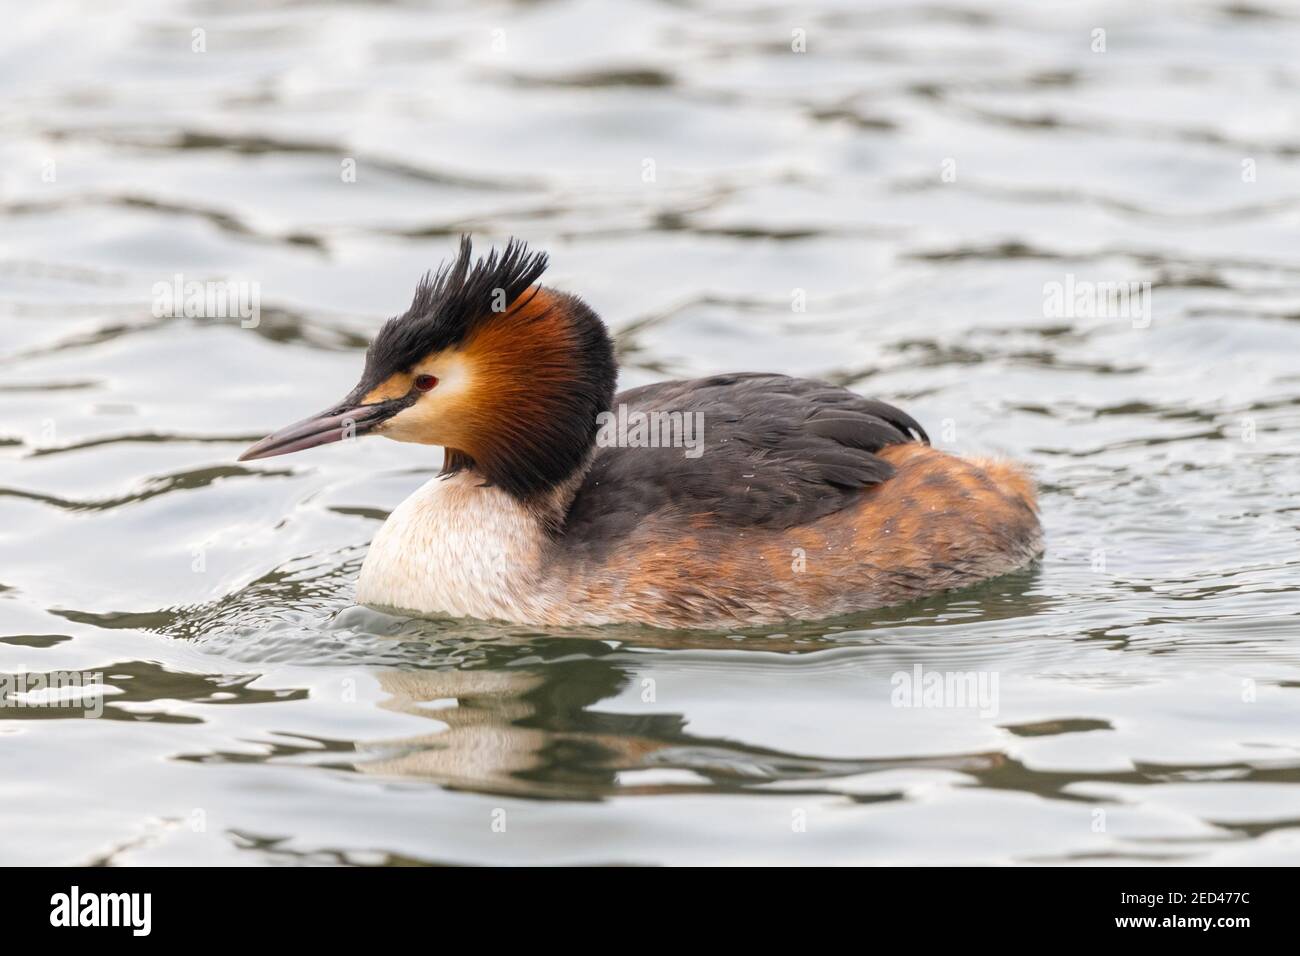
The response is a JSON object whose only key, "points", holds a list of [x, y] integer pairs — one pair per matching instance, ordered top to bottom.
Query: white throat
{"points": [[459, 549]]}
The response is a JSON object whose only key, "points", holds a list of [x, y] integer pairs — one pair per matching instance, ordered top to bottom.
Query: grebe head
{"points": [[506, 375]]}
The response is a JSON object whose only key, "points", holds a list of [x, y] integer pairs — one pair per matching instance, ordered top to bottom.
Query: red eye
{"points": [[425, 382]]}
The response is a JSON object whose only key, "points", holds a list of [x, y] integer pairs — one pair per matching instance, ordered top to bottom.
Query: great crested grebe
{"points": [[803, 501]]}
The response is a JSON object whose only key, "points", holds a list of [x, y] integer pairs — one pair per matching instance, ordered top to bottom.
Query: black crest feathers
{"points": [[449, 303], [543, 377]]}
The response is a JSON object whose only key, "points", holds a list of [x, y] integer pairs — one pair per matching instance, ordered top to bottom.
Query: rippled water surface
{"points": [[917, 176]]}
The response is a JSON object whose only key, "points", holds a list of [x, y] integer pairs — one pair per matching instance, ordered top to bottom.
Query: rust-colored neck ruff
{"points": [[543, 371]]}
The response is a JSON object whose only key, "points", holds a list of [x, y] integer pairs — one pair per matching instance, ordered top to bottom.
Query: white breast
{"points": [[459, 549]]}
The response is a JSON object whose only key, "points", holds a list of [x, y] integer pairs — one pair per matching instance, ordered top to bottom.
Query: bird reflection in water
{"points": [[537, 733]]}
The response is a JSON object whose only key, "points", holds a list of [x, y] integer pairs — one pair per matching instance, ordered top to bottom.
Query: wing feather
{"points": [[777, 452]]}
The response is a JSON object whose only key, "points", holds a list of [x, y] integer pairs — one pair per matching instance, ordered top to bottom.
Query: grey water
{"points": [[881, 194]]}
